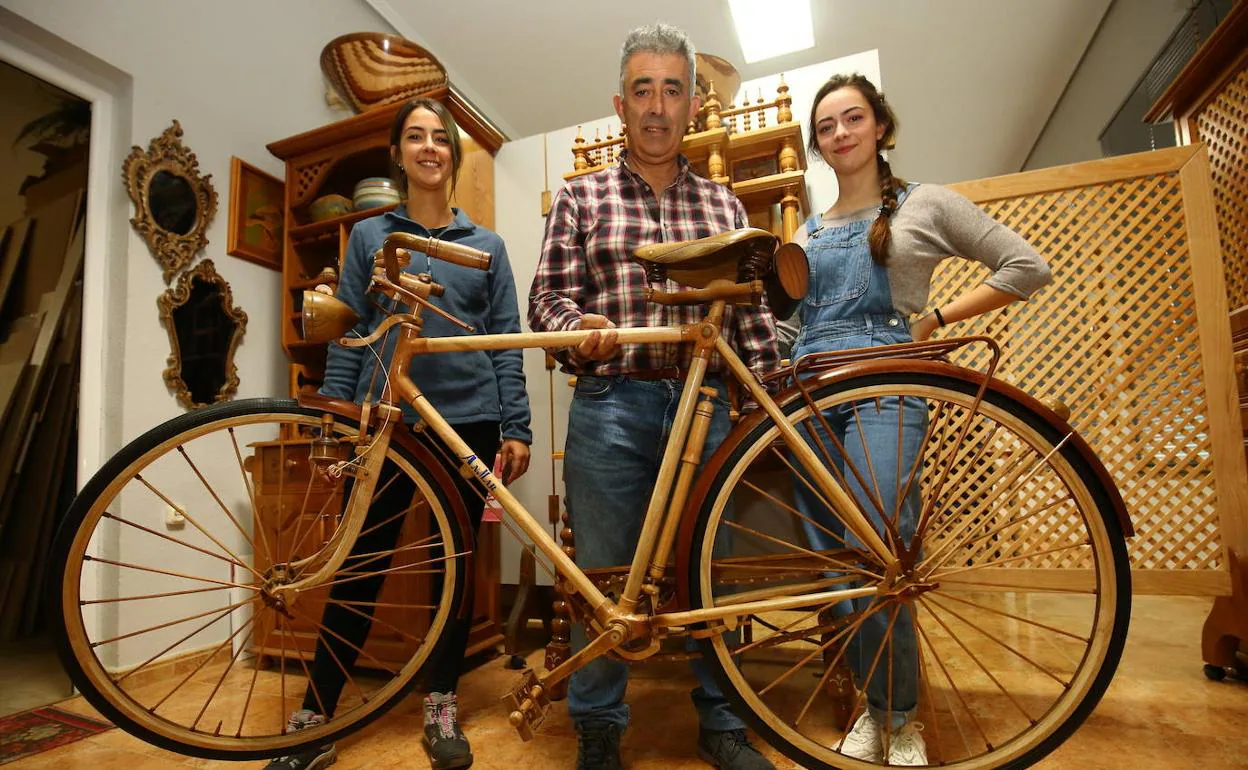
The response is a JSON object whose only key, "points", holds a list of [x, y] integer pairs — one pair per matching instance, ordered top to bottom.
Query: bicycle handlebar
{"points": [[455, 253]]}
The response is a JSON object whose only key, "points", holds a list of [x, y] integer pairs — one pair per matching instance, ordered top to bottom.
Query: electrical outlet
{"points": [[174, 518]]}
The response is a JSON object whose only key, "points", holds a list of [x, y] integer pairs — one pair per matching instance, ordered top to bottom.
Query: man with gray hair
{"points": [[626, 398]]}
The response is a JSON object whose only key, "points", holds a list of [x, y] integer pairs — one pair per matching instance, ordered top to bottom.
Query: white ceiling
{"points": [[972, 81]]}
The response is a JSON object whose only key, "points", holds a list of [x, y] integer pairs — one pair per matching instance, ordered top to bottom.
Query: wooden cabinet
{"points": [[331, 160], [281, 472]]}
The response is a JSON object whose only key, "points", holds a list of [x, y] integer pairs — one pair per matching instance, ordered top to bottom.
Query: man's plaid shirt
{"points": [[595, 224]]}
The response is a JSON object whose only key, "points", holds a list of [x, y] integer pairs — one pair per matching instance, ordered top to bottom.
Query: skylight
{"points": [[770, 28]]}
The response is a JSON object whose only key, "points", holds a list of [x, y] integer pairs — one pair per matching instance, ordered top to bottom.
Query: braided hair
{"points": [[879, 236]]}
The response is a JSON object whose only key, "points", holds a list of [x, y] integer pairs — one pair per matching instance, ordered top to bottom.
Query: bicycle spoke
{"points": [[830, 464], [1035, 469], [251, 493], [217, 497], [821, 500], [790, 509], [319, 516], [297, 517], [191, 519], [999, 529], [889, 532], [163, 536], [798, 549], [389, 552], [1010, 560], [403, 569], [154, 570], [85, 602], [1018, 618], [373, 619], [167, 624], [321, 627], [846, 633], [228, 640], [1018, 653], [975, 658], [836, 659], [147, 662], [224, 674], [307, 675], [925, 682], [251, 688], [957, 693]]}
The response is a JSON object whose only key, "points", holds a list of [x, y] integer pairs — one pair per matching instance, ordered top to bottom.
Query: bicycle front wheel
{"points": [[173, 557], [1008, 617]]}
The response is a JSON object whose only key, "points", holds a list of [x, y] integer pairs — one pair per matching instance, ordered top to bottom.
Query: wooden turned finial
{"points": [[784, 102], [712, 108], [762, 111], [579, 162]]}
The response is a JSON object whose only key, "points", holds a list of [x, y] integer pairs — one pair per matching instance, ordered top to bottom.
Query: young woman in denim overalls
{"points": [[871, 259]]}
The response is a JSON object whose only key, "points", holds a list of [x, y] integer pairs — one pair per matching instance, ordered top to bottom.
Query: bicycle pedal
{"points": [[529, 702]]}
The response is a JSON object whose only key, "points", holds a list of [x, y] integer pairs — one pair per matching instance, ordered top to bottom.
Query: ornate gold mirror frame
{"points": [[173, 203], [204, 331]]}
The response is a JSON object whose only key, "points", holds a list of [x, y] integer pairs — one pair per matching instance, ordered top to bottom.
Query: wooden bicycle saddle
{"points": [[737, 255]]}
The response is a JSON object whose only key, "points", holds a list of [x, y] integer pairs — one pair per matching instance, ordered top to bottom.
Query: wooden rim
{"points": [[1103, 590], [98, 677]]}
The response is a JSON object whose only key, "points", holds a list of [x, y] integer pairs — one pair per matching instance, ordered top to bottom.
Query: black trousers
{"points": [[338, 650]]}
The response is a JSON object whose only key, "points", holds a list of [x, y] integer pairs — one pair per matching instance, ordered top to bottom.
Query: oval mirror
{"points": [[172, 201]]}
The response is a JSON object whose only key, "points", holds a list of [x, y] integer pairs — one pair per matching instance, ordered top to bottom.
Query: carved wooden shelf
{"points": [[756, 149]]}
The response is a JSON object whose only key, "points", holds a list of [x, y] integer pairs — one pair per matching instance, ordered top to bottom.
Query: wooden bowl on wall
{"points": [[373, 69]]}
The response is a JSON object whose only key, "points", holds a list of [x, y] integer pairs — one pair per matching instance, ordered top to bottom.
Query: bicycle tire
{"points": [[1056, 464], [83, 530]]}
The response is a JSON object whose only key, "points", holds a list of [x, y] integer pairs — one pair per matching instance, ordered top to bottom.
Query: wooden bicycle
{"points": [[1014, 582]]}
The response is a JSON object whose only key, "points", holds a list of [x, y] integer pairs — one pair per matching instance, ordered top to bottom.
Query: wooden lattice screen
{"points": [[1220, 124], [1133, 336]]}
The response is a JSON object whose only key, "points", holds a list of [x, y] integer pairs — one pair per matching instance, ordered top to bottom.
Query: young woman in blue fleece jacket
{"points": [[481, 393]]}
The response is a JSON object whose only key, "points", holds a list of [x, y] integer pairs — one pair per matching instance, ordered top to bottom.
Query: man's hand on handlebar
{"points": [[599, 346]]}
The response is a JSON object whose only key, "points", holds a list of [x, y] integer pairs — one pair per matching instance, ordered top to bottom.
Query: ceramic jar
{"points": [[375, 191]]}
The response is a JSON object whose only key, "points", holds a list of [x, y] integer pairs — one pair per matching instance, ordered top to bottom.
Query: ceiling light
{"points": [[769, 28]]}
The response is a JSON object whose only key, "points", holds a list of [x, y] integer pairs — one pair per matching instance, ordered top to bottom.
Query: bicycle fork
{"points": [[330, 558]]}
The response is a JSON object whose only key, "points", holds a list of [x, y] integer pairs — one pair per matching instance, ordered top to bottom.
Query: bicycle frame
{"points": [[652, 549]]}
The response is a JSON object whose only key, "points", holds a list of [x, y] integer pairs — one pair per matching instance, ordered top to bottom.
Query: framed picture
{"points": [[753, 168], [257, 203]]}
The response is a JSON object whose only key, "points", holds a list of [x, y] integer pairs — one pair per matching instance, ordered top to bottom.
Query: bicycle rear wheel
{"points": [[1010, 614], [172, 628]]}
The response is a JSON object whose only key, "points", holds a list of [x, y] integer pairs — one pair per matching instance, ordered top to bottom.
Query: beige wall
{"points": [[1130, 37]]}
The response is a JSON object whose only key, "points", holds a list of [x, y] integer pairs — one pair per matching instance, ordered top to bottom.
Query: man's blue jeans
{"points": [[617, 431]]}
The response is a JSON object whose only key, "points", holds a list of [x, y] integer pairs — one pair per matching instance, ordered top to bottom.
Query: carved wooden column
{"points": [[790, 204]]}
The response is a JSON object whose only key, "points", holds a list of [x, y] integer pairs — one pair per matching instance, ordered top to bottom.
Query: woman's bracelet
{"points": [[940, 319]]}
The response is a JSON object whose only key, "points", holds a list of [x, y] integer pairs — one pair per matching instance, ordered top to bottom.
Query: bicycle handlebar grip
{"points": [[456, 254]]}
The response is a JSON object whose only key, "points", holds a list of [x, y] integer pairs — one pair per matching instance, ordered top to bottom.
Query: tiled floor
{"points": [[30, 676], [1160, 712]]}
